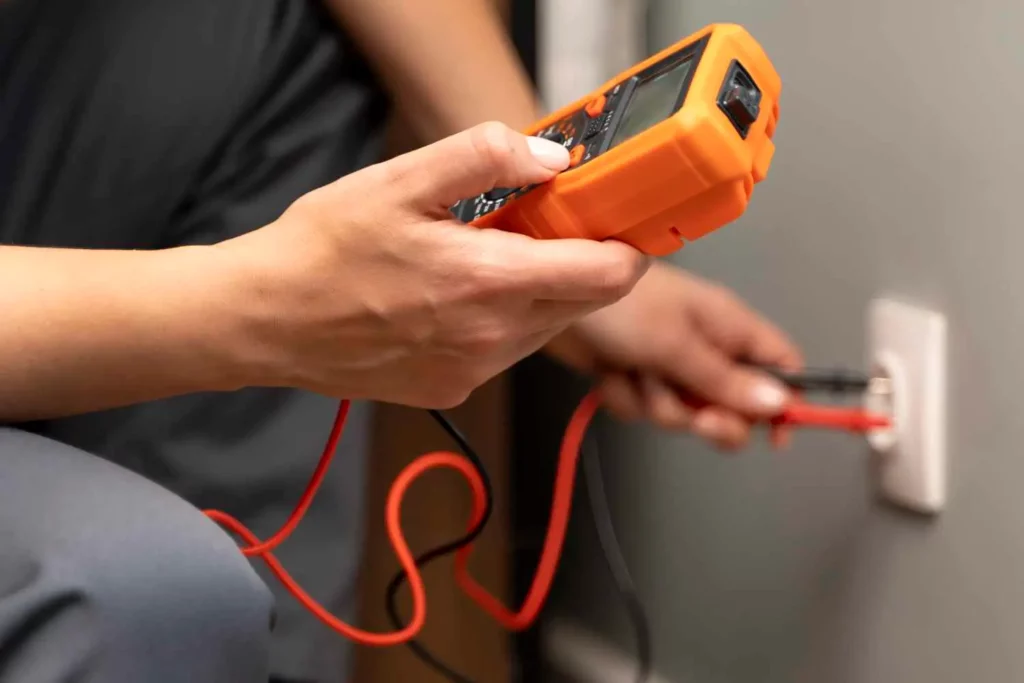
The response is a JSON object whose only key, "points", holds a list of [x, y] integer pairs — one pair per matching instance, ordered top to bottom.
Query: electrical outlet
{"points": [[907, 352]]}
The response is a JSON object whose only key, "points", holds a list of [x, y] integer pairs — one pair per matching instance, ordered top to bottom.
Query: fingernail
{"points": [[549, 153], [769, 395], [707, 426]]}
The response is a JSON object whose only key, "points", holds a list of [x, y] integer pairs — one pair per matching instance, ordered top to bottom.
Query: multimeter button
{"points": [[742, 105], [596, 106], [594, 126], [555, 136], [576, 155], [499, 193]]}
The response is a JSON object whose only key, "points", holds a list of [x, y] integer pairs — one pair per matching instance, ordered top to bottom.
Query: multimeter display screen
{"points": [[653, 101]]}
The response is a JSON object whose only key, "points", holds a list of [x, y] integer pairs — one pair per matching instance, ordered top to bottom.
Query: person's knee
{"points": [[178, 586], [160, 587]]}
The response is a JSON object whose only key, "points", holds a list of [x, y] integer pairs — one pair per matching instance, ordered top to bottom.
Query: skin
{"points": [[448, 64], [366, 288], [675, 337], [76, 339], [677, 351]]}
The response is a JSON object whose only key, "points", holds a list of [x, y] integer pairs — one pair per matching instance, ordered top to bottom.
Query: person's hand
{"points": [[369, 288], [675, 343]]}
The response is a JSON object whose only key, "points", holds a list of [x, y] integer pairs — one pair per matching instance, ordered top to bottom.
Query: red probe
{"points": [[798, 414], [854, 420]]}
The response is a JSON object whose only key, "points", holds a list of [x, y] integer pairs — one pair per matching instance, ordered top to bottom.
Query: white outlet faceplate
{"points": [[907, 345]]}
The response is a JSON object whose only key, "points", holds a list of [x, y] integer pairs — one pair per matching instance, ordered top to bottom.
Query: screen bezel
{"points": [[692, 52], [666, 107]]}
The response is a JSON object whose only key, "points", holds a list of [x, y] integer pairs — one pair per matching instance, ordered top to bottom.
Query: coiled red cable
{"points": [[797, 414], [514, 620]]}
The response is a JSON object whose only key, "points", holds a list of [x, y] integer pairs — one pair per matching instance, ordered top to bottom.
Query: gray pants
{"points": [[106, 577]]}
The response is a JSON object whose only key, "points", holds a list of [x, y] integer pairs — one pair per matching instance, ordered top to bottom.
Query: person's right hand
{"points": [[369, 288]]}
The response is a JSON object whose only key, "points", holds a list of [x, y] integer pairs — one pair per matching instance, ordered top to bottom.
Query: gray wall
{"points": [[898, 170]]}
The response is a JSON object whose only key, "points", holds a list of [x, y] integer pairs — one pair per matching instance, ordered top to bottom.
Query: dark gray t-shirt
{"points": [[151, 123]]}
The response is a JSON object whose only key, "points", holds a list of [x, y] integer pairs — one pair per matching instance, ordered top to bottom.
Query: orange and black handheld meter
{"points": [[664, 153]]}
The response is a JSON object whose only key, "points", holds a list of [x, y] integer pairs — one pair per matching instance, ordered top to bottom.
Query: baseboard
{"points": [[582, 656]]}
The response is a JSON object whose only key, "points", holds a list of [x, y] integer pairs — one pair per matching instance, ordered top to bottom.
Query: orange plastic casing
{"points": [[677, 181]]}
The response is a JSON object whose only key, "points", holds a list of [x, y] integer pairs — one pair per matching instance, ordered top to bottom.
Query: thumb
{"points": [[476, 160], [707, 372]]}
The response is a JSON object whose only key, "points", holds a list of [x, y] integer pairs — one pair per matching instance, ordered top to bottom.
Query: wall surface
{"points": [[582, 42], [898, 171]]}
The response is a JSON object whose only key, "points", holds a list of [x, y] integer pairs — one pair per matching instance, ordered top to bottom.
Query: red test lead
{"points": [[798, 414], [855, 420]]}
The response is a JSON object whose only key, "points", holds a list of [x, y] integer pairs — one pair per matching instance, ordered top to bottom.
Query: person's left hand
{"points": [[676, 338]]}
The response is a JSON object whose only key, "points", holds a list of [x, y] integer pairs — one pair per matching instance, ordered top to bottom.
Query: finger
{"points": [[476, 160], [575, 269], [546, 313], [743, 334], [766, 344], [716, 378], [622, 396], [630, 399], [663, 405], [669, 409], [723, 429]]}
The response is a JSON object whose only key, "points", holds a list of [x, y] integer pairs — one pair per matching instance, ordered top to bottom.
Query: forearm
{"points": [[449, 64], [85, 330]]}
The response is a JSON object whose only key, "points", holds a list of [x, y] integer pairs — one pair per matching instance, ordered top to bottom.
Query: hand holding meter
{"points": [[664, 153]]}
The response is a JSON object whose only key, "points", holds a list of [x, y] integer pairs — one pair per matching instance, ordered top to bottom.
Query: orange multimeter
{"points": [[666, 152]]}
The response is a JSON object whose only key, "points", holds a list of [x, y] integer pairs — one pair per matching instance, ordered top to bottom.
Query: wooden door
{"points": [[436, 511]]}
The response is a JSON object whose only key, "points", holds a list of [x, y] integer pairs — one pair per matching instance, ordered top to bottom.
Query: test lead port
{"points": [[740, 99]]}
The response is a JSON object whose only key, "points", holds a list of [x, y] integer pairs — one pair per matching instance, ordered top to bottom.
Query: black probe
{"points": [[834, 381]]}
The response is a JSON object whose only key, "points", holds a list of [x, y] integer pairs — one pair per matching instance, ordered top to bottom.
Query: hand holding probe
{"points": [[837, 381]]}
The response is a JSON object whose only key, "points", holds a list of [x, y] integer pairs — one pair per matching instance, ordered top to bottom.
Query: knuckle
{"points": [[492, 142], [393, 173], [396, 180], [308, 204], [490, 271], [621, 276], [722, 296], [484, 341], [482, 373], [444, 386], [448, 396]]}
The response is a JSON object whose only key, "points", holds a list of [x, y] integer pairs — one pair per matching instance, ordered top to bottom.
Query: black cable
{"points": [[831, 380], [601, 515], [454, 546]]}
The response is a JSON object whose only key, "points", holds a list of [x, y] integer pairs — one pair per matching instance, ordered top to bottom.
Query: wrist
{"points": [[201, 302], [273, 305], [256, 313], [90, 330]]}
